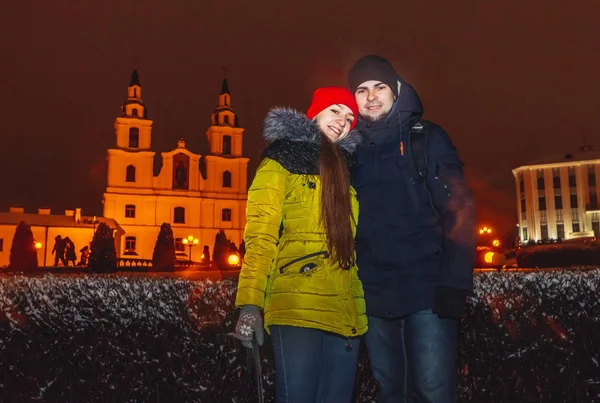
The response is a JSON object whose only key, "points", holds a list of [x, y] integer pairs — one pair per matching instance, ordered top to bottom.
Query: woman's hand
{"points": [[249, 325]]}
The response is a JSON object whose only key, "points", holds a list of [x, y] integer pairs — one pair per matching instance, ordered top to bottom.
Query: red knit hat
{"points": [[327, 96]]}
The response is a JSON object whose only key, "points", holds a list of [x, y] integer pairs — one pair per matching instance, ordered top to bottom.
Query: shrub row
{"points": [[526, 337]]}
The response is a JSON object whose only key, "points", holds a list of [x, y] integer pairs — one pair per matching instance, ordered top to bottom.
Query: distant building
{"points": [[196, 194], [557, 197], [45, 227]]}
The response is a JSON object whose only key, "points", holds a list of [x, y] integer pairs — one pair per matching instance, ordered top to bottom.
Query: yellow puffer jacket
{"points": [[287, 270]]}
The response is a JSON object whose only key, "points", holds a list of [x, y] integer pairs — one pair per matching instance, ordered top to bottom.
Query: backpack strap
{"points": [[417, 139]]}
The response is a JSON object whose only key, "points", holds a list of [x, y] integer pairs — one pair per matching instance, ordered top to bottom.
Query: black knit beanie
{"points": [[373, 67]]}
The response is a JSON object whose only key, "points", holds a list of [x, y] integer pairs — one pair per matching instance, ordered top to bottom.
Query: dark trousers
{"points": [[61, 257], [413, 358], [313, 366]]}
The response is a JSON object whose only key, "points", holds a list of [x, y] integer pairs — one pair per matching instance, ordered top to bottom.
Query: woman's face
{"points": [[334, 121]]}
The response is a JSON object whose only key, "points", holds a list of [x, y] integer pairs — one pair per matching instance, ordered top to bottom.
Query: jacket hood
{"points": [[408, 103], [292, 125]]}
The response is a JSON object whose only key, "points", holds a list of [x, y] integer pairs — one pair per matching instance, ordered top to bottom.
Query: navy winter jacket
{"points": [[412, 236]]}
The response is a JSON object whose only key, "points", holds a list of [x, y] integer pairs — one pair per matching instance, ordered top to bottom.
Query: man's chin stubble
{"points": [[371, 119]]}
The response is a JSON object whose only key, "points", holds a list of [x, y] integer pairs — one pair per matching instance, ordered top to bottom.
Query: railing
{"points": [[135, 262], [124, 263]]}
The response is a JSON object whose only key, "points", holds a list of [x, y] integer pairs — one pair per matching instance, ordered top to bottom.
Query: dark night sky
{"points": [[510, 81]]}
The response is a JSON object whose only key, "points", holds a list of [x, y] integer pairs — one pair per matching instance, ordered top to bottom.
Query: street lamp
{"points": [[485, 230], [190, 241], [38, 245]]}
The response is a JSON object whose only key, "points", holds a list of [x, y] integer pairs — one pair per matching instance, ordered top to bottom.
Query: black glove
{"points": [[449, 302]]}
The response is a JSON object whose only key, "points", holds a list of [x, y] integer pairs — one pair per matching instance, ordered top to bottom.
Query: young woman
{"points": [[299, 266]]}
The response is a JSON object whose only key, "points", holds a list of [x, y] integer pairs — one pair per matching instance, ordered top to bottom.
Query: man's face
{"points": [[375, 100]]}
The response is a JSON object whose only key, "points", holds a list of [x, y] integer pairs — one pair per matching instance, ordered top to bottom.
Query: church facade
{"points": [[196, 194]]}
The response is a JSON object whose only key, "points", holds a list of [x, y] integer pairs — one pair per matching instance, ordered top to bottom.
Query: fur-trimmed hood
{"points": [[293, 125], [295, 141]]}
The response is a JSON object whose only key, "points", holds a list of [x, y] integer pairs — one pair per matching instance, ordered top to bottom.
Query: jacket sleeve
{"points": [[454, 202], [263, 220]]}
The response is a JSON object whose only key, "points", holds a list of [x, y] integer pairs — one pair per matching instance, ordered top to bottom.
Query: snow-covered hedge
{"points": [[559, 254], [525, 337]]}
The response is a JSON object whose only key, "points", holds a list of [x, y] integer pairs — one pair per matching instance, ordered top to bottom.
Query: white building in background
{"points": [[197, 194], [557, 197], [45, 227]]}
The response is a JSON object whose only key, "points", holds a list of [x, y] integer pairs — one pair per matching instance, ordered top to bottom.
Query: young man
{"points": [[416, 237]]}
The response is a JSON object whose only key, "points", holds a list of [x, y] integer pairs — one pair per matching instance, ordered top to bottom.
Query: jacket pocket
{"points": [[302, 263]]}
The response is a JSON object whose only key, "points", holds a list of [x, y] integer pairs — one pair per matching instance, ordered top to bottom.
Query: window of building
{"points": [[134, 112], [226, 119], [134, 137], [227, 145], [130, 174], [591, 175], [572, 178], [226, 179], [556, 182], [540, 183], [521, 185], [593, 200], [574, 201], [558, 202], [542, 203], [523, 206], [130, 211], [226, 214], [179, 215], [543, 216], [559, 216], [575, 227], [544, 231], [560, 231], [525, 234], [130, 242], [1, 244], [179, 245]]}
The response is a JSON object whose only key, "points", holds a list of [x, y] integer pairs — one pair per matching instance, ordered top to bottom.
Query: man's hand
{"points": [[450, 302], [249, 325]]}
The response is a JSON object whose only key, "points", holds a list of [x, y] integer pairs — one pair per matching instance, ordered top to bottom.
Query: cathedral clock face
{"points": [[181, 171]]}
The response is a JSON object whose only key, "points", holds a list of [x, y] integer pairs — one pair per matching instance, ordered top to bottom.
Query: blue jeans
{"points": [[413, 358], [313, 366]]}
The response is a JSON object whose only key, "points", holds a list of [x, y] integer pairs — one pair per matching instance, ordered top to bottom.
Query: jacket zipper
{"points": [[291, 262]]}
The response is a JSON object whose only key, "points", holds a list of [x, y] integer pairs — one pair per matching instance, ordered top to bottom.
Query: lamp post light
{"points": [[485, 230], [190, 241]]}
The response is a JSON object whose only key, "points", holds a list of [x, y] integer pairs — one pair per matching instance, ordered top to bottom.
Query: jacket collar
{"points": [[293, 125]]}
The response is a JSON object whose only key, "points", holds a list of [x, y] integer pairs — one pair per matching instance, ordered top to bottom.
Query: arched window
{"points": [[134, 112], [226, 119], [134, 137], [226, 145], [130, 174], [226, 179], [179, 215]]}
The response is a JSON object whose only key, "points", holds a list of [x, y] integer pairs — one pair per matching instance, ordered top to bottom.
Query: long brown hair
{"points": [[336, 208]]}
